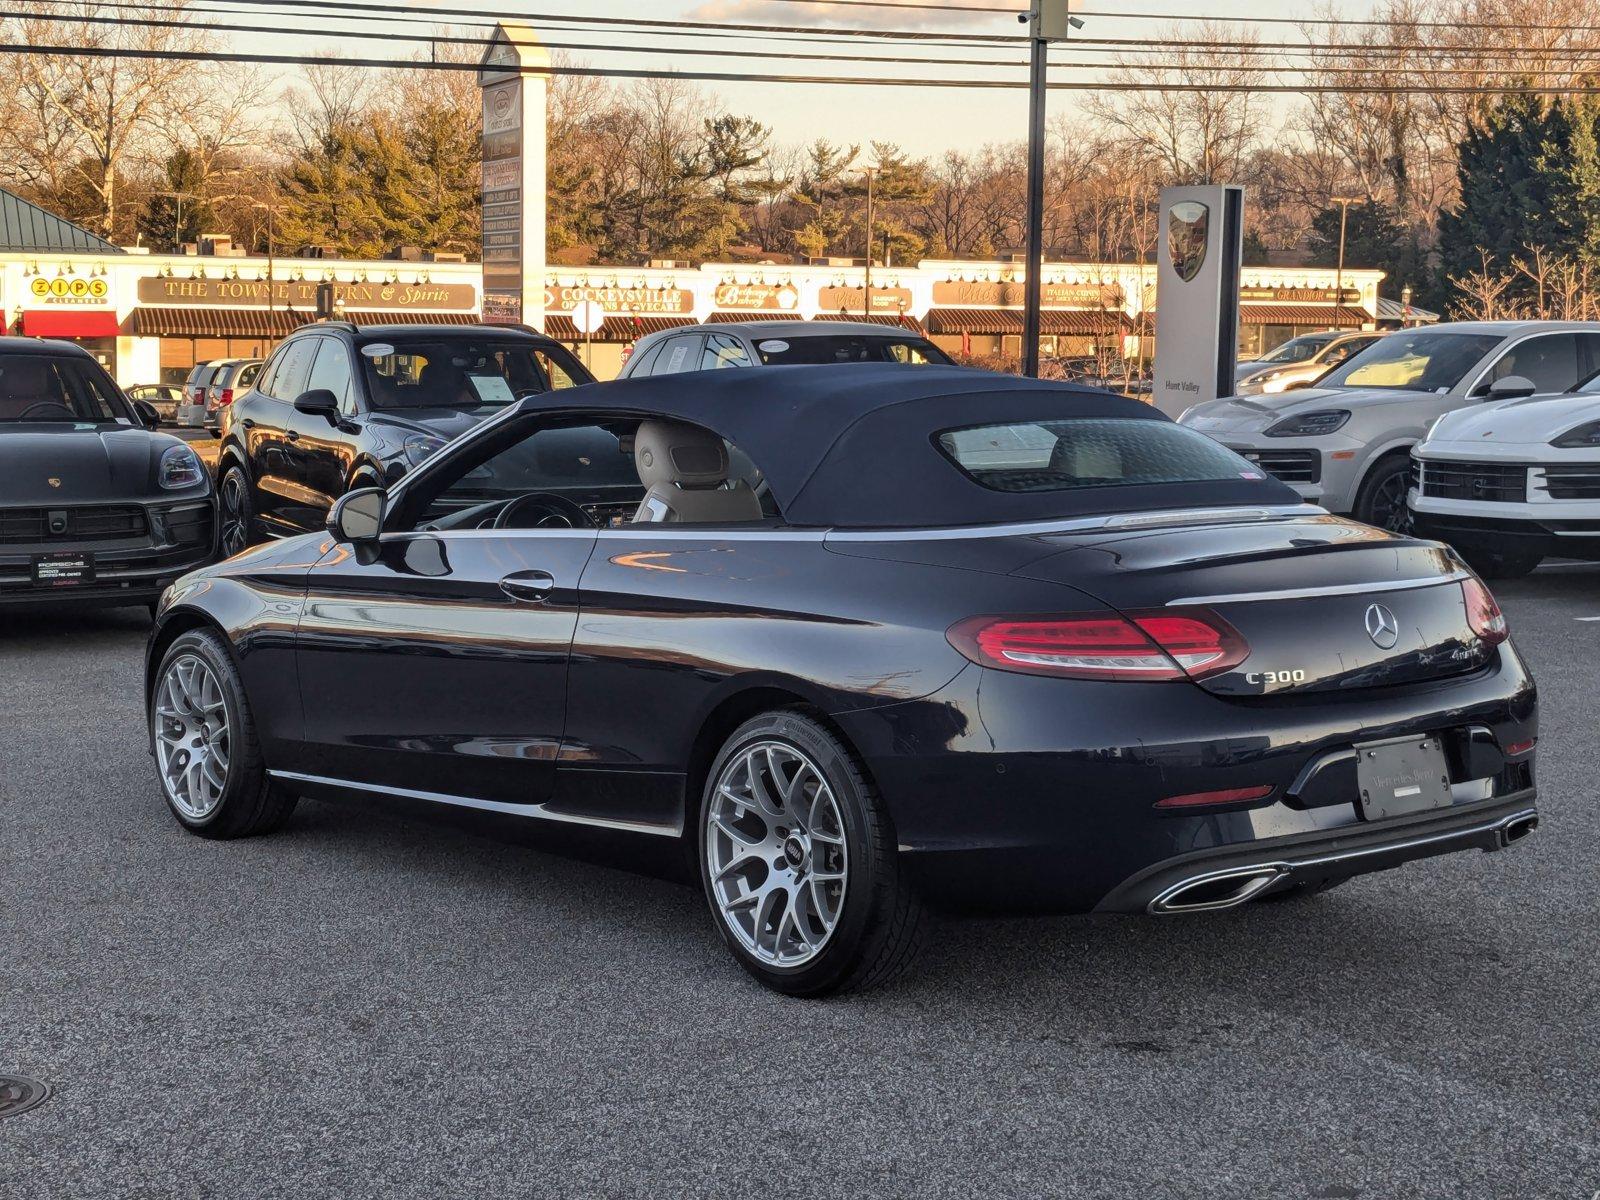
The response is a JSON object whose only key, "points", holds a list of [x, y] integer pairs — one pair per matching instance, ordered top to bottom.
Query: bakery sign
{"points": [[69, 291], [955, 293], [302, 294], [1299, 295], [756, 297], [645, 301], [887, 301]]}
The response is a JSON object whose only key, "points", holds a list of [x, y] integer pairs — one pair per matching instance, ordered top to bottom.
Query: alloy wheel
{"points": [[1389, 509], [235, 534], [192, 736], [775, 853]]}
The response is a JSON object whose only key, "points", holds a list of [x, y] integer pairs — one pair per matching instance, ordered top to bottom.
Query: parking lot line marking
{"points": [[1586, 619]]}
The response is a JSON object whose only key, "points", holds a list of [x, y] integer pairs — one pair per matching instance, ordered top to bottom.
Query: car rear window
{"points": [[819, 349], [1063, 455]]}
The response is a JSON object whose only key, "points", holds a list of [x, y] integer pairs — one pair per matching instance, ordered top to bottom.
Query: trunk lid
{"points": [[1324, 604]]}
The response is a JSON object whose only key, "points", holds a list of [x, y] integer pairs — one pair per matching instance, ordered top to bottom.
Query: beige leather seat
{"points": [[685, 472]]}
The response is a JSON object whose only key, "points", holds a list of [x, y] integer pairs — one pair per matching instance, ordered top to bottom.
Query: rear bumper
{"points": [[1024, 794], [1211, 880]]}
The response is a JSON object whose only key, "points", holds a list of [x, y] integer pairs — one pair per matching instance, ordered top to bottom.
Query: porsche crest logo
{"points": [[1188, 224], [53, 481]]}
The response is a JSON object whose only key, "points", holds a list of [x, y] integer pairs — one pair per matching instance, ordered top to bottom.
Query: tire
{"points": [[1377, 503], [236, 512], [1504, 566], [228, 793], [839, 856]]}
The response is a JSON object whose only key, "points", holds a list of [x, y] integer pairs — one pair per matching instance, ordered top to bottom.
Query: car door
{"points": [[321, 452], [280, 498], [437, 663]]}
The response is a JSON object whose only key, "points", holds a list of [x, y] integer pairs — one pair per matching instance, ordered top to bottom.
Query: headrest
{"points": [[24, 376], [671, 452]]}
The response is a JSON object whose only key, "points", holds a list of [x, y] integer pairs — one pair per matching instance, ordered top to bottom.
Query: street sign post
{"points": [[588, 317]]}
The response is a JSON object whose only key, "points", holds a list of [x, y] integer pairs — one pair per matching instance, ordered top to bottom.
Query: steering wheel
{"points": [[27, 412], [543, 510]]}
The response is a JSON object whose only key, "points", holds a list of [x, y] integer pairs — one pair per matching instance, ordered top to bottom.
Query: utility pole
{"points": [[1050, 21], [1344, 203], [866, 284]]}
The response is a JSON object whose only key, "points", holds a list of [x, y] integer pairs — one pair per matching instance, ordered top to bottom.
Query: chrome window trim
{"points": [[1124, 523], [1341, 589], [537, 811]]}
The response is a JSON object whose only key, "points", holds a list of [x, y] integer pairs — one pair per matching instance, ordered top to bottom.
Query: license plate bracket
{"points": [[66, 568], [1401, 776]]}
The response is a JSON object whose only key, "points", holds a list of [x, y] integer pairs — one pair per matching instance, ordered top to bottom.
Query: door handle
{"points": [[248, 422], [531, 586]]}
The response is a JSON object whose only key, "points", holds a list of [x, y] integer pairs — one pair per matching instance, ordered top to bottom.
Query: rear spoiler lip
{"points": [[1338, 589]]}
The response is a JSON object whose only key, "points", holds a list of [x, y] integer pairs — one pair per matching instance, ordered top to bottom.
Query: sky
{"points": [[924, 121]]}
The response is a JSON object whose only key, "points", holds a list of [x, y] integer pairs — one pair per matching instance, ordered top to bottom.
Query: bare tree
{"points": [[95, 113], [1203, 125]]}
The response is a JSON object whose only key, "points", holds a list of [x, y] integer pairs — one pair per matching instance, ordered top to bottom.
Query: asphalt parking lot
{"points": [[377, 1004]]}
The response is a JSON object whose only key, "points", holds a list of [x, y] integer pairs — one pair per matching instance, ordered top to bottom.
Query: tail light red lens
{"points": [[225, 398], [1483, 613], [1164, 644], [1228, 796]]}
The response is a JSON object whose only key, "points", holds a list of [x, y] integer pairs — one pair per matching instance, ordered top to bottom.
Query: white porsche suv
{"points": [[1346, 443], [1511, 484]]}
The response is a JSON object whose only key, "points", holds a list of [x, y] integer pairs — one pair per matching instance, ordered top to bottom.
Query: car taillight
{"points": [[225, 398], [1483, 613], [1159, 645]]}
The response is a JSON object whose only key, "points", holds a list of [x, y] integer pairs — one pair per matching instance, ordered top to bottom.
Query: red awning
{"points": [[1323, 316], [1055, 321], [69, 323], [613, 328]]}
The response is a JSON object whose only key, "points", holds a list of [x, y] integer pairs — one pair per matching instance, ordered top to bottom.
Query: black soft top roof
{"points": [[855, 444]]}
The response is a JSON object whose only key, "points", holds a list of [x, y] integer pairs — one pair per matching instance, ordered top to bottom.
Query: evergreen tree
{"points": [[178, 210]]}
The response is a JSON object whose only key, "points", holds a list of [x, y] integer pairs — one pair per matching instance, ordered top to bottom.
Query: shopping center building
{"points": [[150, 317]]}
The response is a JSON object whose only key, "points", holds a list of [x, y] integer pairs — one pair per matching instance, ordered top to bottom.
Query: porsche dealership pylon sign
{"points": [[514, 101], [1197, 295]]}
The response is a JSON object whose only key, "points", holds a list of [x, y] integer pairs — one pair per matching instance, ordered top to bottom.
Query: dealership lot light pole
{"points": [[1050, 22], [1344, 203]]}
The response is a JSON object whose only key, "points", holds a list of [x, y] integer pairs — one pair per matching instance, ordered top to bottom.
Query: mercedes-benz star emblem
{"points": [[1382, 628]]}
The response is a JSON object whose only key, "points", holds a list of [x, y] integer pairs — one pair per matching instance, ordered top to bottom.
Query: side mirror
{"points": [[1512, 387], [319, 402], [147, 414], [357, 517]]}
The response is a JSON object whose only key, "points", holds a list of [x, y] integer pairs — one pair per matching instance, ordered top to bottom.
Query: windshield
{"points": [[818, 349], [1300, 349], [1414, 362], [463, 372], [39, 387], [1053, 456]]}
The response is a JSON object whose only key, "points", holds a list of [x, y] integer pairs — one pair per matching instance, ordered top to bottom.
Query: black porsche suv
{"points": [[339, 407], [96, 507]]}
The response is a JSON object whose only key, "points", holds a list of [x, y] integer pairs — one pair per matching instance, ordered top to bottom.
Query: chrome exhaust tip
{"points": [[1517, 828], [1218, 890]]}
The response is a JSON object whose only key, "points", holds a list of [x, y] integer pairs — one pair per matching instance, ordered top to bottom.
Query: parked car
{"points": [[776, 344], [1300, 361], [230, 378], [162, 397], [338, 407], [191, 412], [1346, 443], [1511, 484], [96, 508], [1001, 642]]}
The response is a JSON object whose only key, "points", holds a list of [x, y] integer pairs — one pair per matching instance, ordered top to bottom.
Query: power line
{"points": [[1357, 22], [657, 23], [435, 39], [830, 80]]}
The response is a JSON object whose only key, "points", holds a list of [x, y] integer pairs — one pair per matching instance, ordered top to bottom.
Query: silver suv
{"points": [[1299, 361], [1346, 443]]}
